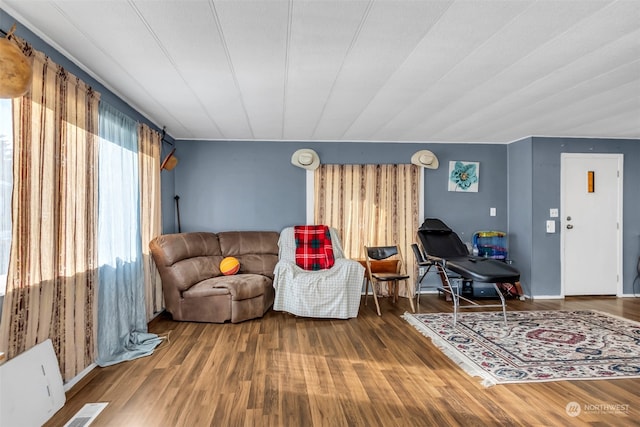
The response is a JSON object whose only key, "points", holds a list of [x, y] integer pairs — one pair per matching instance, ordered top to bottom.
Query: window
{"points": [[6, 187], [370, 205]]}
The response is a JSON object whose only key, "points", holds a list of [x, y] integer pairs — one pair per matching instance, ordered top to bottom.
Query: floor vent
{"points": [[86, 415]]}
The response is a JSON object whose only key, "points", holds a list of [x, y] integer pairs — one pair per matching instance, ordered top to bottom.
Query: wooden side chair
{"points": [[385, 265]]}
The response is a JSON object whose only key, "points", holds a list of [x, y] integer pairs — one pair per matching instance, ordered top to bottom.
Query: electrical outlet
{"points": [[492, 211], [553, 213]]}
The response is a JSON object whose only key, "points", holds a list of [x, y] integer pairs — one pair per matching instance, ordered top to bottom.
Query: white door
{"points": [[591, 224]]}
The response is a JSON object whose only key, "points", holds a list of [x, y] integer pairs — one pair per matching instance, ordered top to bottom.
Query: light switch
{"points": [[492, 211], [553, 213], [551, 226]]}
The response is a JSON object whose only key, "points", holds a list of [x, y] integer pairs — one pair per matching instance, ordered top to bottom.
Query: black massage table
{"points": [[444, 249]]}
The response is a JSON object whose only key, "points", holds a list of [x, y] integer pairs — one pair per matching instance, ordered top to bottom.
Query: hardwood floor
{"points": [[370, 371]]}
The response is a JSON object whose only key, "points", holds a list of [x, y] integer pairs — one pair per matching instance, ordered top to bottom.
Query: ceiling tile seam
{"points": [[27, 23], [567, 30], [426, 33], [354, 39], [227, 53], [582, 57], [520, 60], [462, 61], [173, 63], [286, 69], [547, 77], [632, 86], [562, 92], [424, 93], [539, 100], [556, 112], [595, 121], [526, 127], [569, 127], [631, 129]]}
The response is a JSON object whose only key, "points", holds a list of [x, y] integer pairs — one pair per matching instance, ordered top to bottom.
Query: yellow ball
{"points": [[229, 266]]}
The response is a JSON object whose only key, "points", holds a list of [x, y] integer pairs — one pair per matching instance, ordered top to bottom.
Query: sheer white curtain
{"points": [[122, 323]]}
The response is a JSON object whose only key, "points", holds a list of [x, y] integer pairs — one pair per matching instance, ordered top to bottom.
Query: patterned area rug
{"points": [[536, 346]]}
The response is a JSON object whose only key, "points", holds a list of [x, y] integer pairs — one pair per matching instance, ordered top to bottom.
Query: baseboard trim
{"points": [[536, 297], [75, 380]]}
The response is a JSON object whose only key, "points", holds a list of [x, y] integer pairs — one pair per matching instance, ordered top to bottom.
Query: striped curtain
{"points": [[149, 147], [373, 205], [52, 280]]}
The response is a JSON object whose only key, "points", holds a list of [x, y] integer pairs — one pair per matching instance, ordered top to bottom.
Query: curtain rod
{"points": [[11, 30], [164, 129], [164, 133]]}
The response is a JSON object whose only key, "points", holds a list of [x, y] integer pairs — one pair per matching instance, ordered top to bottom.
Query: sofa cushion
{"points": [[233, 243], [176, 247], [257, 251], [258, 264], [188, 272], [240, 286], [206, 288]]}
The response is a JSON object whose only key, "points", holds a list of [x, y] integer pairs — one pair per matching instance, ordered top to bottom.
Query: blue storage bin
{"points": [[491, 244]]}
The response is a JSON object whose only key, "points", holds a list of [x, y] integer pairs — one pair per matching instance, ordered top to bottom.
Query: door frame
{"points": [[620, 193]]}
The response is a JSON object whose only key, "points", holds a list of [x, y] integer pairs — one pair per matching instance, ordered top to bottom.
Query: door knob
{"points": [[569, 226]]}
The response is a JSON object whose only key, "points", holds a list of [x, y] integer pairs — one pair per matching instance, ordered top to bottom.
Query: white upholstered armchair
{"points": [[331, 293]]}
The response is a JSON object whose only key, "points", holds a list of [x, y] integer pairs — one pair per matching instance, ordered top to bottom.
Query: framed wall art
{"points": [[464, 176]]}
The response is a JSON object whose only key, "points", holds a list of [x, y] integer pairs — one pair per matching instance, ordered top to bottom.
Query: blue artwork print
{"points": [[463, 176]]}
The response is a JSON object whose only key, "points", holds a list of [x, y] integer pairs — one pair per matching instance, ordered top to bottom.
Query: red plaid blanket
{"points": [[313, 247]]}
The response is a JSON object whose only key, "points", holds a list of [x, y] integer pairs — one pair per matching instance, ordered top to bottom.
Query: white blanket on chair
{"points": [[331, 293]]}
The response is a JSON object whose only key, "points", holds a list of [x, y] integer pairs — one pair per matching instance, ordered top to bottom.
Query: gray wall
{"points": [[253, 185], [537, 189], [168, 191], [520, 200]]}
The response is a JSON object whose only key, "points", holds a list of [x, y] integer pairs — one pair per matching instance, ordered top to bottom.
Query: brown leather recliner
{"points": [[195, 289]]}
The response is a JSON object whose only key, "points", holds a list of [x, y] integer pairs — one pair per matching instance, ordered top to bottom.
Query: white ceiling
{"points": [[473, 71]]}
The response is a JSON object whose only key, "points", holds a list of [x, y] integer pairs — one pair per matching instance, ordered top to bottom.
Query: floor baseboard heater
{"points": [[31, 389]]}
